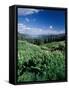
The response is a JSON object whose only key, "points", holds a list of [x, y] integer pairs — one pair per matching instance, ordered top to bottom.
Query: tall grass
{"points": [[39, 63]]}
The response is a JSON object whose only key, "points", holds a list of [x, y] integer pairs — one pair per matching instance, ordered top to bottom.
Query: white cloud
{"points": [[26, 11], [27, 19], [51, 27], [22, 28], [37, 31]]}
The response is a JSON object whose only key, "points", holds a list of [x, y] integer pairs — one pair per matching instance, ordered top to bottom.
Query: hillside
{"points": [[44, 62]]}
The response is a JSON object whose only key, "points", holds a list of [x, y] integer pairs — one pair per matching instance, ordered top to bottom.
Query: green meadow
{"points": [[40, 62]]}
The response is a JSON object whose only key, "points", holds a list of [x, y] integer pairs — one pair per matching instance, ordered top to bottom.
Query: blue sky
{"points": [[40, 21]]}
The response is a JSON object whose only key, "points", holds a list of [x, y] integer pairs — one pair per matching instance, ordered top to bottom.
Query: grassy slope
{"points": [[47, 60]]}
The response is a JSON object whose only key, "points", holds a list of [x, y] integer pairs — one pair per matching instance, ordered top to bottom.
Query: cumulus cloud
{"points": [[26, 11], [37, 31]]}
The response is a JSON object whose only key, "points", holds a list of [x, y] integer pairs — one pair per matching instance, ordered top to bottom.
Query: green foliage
{"points": [[44, 62]]}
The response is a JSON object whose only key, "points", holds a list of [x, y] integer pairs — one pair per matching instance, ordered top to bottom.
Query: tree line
{"points": [[42, 39]]}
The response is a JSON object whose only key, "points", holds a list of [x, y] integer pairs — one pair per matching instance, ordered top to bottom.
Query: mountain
{"points": [[26, 36], [41, 38]]}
